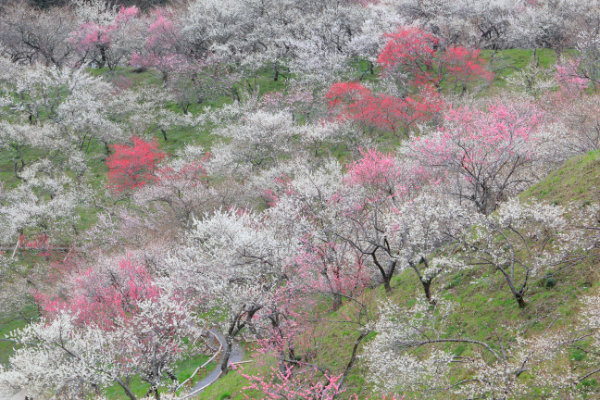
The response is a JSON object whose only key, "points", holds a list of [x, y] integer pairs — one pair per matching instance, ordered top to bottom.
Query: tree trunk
{"points": [[103, 57], [235, 95], [16, 170], [387, 275], [386, 284], [427, 288], [520, 300], [337, 301], [226, 355], [352, 358], [127, 390], [153, 390]]}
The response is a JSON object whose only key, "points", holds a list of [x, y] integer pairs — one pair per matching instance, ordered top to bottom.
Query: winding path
{"points": [[237, 355]]}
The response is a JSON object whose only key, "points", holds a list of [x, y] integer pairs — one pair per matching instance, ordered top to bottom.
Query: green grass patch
{"points": [[576, 180], [10, 323], [183, 371], [231, 386]]}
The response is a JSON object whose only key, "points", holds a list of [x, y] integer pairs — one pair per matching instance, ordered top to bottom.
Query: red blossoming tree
{"points": [[410, 52], [412, 56], [462, 66], [352, 101], [133, 166]]}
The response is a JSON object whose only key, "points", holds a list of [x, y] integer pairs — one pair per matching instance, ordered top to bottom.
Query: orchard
{"points": [[299, 199]]}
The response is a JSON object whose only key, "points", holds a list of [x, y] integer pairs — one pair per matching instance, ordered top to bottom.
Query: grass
{"points": [[506, 62], [130, 76], [577, 180], [9, 324], [183, 371], [232, 385], [229, 387]]}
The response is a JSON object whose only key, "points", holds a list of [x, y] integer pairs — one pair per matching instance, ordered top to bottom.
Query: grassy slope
{"points": [[505, 62], [577, 180], [484, 306], [8, 325]]}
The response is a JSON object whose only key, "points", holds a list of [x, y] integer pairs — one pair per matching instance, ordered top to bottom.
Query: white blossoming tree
{"points": [[117, 323]]}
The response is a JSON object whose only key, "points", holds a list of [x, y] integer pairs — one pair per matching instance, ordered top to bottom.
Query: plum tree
{"points": [[133, 166]]}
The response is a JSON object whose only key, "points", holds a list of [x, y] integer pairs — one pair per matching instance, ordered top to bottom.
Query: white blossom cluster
{"points": [[60, 353]]}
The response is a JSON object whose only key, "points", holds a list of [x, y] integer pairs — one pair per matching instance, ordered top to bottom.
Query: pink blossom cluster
{"points": [[92, 35], [100, 300]]}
